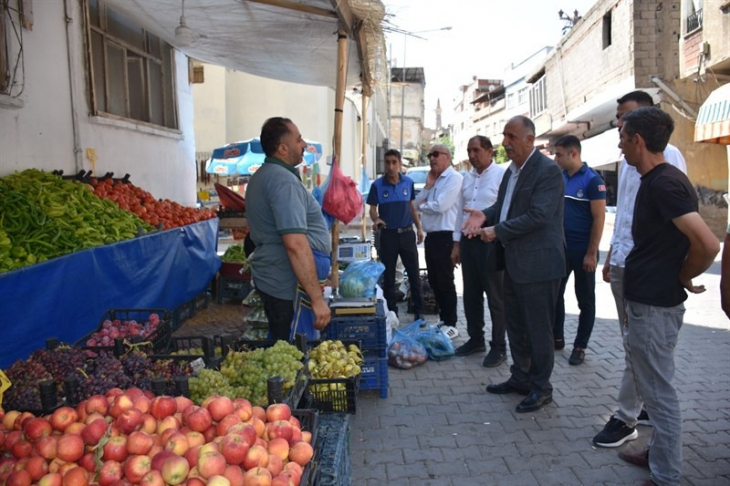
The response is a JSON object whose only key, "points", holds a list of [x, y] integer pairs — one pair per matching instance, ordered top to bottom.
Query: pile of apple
{"points": [[110, 330], [131, 437]]}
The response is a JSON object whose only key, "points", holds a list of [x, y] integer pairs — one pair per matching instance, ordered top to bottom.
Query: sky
{"points": [[486, 36]]}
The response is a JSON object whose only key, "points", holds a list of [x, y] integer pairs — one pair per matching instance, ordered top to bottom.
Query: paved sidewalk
{"points": [[439, 426]]}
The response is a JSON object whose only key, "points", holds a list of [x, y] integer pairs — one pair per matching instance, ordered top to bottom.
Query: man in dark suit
{"points": [[527, 222]]}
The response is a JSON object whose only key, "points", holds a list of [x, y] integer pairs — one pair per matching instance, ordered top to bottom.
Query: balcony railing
{"points": [[694, 21]]}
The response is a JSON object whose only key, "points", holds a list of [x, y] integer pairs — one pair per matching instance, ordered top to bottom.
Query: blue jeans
{"points": [[585, 292], [652, 336]]}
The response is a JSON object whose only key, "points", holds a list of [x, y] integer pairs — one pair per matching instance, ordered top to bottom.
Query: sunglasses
{"points": [[436, 154]]}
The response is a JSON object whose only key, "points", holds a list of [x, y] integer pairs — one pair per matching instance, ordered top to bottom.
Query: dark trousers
{"points": [[393, 244], [438, 246], [478, 269], [585, 292], [279, 313], [530, 319]]}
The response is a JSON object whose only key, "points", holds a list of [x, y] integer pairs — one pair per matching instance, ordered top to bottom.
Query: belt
{"points": [[399, 230]]}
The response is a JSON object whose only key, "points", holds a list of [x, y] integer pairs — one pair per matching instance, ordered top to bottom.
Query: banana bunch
{"points": [[331, 359]]}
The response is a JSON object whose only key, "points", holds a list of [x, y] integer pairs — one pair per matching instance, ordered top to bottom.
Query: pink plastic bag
{"points": [[342, 198]]}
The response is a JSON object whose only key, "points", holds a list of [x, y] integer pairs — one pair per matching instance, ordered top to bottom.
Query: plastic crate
{"points": [[233, 271], [235, 289], [189, 309], [369, 329], [160, 338], [213, 360], [375, 375], [321, 395], [309, 421], [334, 463]]}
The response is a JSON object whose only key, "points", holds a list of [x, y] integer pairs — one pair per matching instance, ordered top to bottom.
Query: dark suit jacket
{"points": [[532, 235]]}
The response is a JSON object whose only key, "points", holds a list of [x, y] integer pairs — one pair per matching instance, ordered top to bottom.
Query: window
{"points": [[693, 15], [607, 29], [131, 70], [522, 96], [538, 97], [511, 100]]}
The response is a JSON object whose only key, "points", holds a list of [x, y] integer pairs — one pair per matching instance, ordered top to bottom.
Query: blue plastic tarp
{"points": [[66, 297]]}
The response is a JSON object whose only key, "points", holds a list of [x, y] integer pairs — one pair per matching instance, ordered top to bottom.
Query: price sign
{"points": [[4, 385]]}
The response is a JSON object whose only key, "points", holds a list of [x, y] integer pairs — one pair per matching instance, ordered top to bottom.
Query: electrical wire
{"points": [[20, 58]]}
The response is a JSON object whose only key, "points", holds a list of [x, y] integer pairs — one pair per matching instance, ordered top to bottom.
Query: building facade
{"points": [[407, 111]]}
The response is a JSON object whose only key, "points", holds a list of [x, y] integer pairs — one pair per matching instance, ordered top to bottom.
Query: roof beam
{"points": [[299, 7], [344, 13]]}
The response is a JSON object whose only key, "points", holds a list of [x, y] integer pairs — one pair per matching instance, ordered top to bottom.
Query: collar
{"points": [[275, 161], [513, 166], [582, 170], [387, 181]]}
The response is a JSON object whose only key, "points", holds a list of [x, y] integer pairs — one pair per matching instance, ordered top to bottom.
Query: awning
{"points": [[713, 120], [601, 152]]}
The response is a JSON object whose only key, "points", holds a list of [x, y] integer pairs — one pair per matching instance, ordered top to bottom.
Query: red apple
{"points": [[113, 392], [135, 392], [97, 403], [142, 403], [182, 403], [120, 404], [163, 406], [219, 407], [243, 409], [278, 411], [259, 413], [63, 417], [197, 418], [9, 419], [22, 419], [129, 420], [170, 422], [295, 422], [225, 423], [149, 424], [259, 426], [36, 428], [75, 428], [279, 429], [247, 431], [93, 432], [209, 433], [296, 436], [307, 436], [195, 438], [139, 443], [177, 443], [46, 447], [209, 447], [21, 448], [234, 448], [280, 448], [115, 449], [301, 453], [192, 455], [257, 456], [159, 459], [88, 461], [211, 464], [276, 465], [37, 467], [136, 467], [175, 469], [110, 471], [234, 475], [76, 476], [258, 476], [19, 478], [152, 478], [51, 479], [194, 480], [218, 480], [282, 480]]}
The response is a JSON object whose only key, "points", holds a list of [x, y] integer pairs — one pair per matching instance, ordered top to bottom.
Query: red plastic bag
{"points": [[342, 198]]}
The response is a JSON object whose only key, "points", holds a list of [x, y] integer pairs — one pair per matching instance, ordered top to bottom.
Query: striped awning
{"points": [[713, 120]]}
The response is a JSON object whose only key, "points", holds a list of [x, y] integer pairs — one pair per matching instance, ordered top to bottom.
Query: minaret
{"points": [[438, 114]]}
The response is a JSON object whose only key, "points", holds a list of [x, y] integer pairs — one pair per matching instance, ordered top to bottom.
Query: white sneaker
{"points": [[451, 331]]}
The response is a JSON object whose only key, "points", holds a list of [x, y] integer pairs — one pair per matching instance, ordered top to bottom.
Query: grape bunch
{"points": [[195, 352], [61, 362], [138, 368], [102, 374], [208, 382], [24, 394]]}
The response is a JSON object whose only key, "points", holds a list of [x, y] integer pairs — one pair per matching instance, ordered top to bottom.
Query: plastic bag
{"points": [[318, 193], [341, 198], [359, 279], [391, 322], [438, 346], [405, 352]]}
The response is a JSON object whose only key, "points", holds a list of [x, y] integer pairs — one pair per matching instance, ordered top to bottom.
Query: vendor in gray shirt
{"points": [[293, 245]]}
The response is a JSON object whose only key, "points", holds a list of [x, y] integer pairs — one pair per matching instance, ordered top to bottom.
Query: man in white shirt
{"points": [[438, 204], [478, 258], [622, 426]]}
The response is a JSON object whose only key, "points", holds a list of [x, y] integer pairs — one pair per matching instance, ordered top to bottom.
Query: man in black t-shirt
{"points": [[672, 245]]}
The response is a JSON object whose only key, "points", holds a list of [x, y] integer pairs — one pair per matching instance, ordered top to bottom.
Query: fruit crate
{"points": [[232, 271], [235, 289], [188, 309], [369, 329], [160, 337], [208, 344], [375, 375], [333, 394], [309, 421], [334, 463]]}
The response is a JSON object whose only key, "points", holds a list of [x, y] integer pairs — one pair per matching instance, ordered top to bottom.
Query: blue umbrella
{"points": [[312, 153], [224, 160], [250, 163]]}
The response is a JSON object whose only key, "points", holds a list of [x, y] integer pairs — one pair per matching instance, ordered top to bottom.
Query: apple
{"points": [[113, 392], [135, 392], [97, 403], [142, 403], [182, 403], [120, 404], [163, 406], [219, 407], [243, 409], [278, 411], [259, 413], [63, 417], [197, 418], [9, 419], [22, 419], [129, 420], [170, 422], [295, 422], [225, 423], [149, 424], [259, 426], [75, 428], [279, 429], [94, 431], [247, 431], [209, 433], [296, 436], [307, 436], [12, 437], [195, 438], [139, 443], [177, 443], [262, 443], [46, 447], [209, 447], [21, 448], [234, 448], [280, 448], [115, 449], [301, 453], [192, 455], [257, 456], [159, 459], [88, 461], [21, 463], [7, 464], [211, 464], [276, 465], [37, 467], [136, 467], [295, 468], [175, 469], [110, 471], [234, 474], [76, 476], [258, 476], [19, 478], [152, 478], [51, 479], [194, 480], [218, 480], [282, 480]]}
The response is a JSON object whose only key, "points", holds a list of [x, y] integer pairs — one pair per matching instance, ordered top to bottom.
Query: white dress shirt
{"points": [[514, 175], [629, 181], [478, 191], [439, 211]]}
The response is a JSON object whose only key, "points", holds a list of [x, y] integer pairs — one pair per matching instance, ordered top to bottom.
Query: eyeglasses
{"points": [[436, 154]]}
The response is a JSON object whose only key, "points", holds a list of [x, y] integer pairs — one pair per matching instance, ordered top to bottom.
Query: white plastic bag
{"points": [[391, 322]]}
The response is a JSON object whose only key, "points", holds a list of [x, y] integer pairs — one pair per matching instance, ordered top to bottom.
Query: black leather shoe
{"points": [[470, 347], [504, 388], [534, 401]]}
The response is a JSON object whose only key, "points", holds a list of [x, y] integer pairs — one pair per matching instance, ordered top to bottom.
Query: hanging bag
{"points": [[341, 198]]}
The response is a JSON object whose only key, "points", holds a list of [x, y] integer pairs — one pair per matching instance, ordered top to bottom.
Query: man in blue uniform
{"points": [[584, 213], [394, 215]]}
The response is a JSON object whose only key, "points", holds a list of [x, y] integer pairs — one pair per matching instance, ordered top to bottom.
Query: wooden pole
{"points": [[339, 110], [364, 157]]}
